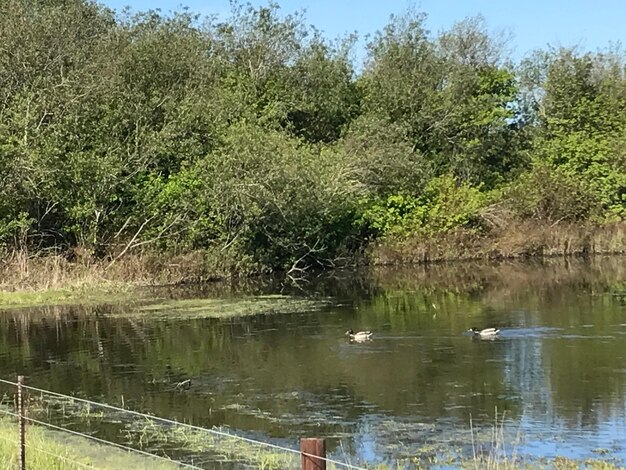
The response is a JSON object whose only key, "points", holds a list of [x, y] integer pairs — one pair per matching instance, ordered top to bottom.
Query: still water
{"points": [[556, 374]]}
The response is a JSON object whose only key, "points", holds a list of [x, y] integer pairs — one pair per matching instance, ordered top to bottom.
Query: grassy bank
{"points": [[24, 271], [28, 280], [39, 280], [95, 294], [47, 450], [51, 450]]}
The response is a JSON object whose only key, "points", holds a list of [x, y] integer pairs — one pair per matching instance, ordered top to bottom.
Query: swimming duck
{"points": [[486, 333], [359, 336], [184, 385]]}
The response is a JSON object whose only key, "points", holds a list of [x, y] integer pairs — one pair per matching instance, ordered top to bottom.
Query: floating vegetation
{"points": [[141, 304], [231, 307], [152, 436], [488, 447]]}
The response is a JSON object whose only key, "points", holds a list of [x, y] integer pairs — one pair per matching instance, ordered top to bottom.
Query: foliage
{"points": [[453, 95], [581, 122], [254, 137], [382, 159], [264, 194], [552, 195], [444, 206]]}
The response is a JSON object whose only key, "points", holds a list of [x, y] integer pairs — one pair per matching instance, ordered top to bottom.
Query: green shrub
{"points": [[551, 194], [262, 195], [444, 205]]}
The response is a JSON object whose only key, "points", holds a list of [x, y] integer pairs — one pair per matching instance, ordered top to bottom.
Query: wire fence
{"points": [[17, 443], [312, 451]]}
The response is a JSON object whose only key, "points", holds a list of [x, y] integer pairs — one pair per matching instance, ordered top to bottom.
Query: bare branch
{"points": [[123, 227], [130, 243]]}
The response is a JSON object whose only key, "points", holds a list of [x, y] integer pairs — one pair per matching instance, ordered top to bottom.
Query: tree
{"points": [[453, 94], [581, 124]]}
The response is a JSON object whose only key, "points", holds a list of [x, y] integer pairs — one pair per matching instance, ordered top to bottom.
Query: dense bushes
{"points": [[256, 139], [552, 195], [444, 205]]}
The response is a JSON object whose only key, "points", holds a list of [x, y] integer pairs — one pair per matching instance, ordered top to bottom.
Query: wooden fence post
{"points": [[20, 422], [313, 447]]}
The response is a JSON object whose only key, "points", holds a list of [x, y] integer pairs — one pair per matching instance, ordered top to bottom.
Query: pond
{"points": [[553, 382]]}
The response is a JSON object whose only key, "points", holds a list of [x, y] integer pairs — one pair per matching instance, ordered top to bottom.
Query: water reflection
{"points": [[557, 368]]}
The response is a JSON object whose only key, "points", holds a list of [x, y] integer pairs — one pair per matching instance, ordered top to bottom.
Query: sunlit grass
{"points": [[97, 294], [146, 304], [150, 434], [156, 437], [51, 450]]}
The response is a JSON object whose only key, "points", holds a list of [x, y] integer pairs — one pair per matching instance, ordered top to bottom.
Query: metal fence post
{"points": [[21, 422], [316, 450]]}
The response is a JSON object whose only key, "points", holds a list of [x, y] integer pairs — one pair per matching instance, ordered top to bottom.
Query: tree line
{"points": [[260, 140]]}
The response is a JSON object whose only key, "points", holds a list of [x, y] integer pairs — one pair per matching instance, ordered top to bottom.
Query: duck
{"points": [[485, 333], [359, 336], [184, 385]]}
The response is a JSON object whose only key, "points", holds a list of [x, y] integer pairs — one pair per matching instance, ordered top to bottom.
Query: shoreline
{"points": [[53, 280], [46, 449]]}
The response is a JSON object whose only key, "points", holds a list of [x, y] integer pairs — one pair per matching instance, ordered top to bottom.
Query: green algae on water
{"points": [[231, 307]]}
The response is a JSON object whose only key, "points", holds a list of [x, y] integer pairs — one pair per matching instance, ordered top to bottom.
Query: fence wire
{"points": [[172, 422], [103, 441], [52, 454]]}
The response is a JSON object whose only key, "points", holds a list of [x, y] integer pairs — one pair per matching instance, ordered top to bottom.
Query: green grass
{"points": [[105, 293], [153, 436], [225, 449], [51, 450]]}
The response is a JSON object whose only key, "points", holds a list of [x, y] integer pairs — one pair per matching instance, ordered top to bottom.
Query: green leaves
{"points": [[453, 94], [583, 124], [257, 139], [551, 194], [445, 205]]}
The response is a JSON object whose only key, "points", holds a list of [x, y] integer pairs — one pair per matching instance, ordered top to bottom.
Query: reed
{"points": [[518, 239]]}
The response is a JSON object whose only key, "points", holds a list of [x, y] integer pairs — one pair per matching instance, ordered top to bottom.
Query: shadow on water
{"points": [[556, 370]]}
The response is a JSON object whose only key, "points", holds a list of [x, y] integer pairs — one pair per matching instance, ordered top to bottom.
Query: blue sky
{"points": [[533, 23]]}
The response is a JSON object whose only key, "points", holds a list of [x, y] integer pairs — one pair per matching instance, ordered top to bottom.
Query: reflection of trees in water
{"points": [[499, 282], [108, 357], [525, 376], [587, 380]]}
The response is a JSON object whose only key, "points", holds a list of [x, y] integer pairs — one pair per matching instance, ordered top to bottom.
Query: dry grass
{"points": [[516, 240], [21, 272], [53, 279], [497, 457]]}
